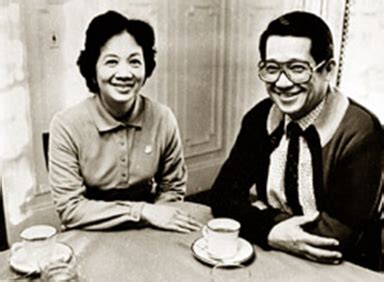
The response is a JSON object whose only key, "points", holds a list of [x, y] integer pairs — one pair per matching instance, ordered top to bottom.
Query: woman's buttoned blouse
{"points": [[90, 149]]}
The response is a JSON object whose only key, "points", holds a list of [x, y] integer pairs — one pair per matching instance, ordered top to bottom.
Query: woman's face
{"points": [[120, 73]]}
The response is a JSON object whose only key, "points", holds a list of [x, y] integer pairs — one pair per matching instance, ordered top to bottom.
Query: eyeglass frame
{"points": [[282, 67]]}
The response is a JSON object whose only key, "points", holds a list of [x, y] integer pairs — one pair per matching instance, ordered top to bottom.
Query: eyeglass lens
{"points": [[296, 71]]}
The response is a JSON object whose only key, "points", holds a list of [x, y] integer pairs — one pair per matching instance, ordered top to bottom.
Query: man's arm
{"points": [[353, 187], [230, 191], [351, 197], [267, 227]]}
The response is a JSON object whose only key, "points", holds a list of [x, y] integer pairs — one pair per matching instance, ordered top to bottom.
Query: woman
{"points": [[116, 157]]}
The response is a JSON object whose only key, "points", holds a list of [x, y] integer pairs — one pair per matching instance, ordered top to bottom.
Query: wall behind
{"points": [[363, 72], [16, 152]]}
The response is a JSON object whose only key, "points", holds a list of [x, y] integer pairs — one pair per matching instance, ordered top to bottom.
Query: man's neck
{"points": [[308, 119]]}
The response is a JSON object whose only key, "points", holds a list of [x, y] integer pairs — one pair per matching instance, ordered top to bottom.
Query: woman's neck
{"points": [[119, 111]]}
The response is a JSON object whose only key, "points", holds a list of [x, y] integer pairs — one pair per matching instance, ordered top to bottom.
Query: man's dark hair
{"points": [[301, 24], [100, 30]]}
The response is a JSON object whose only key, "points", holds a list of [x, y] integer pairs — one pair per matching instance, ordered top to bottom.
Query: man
{"points": [[312, 153]]}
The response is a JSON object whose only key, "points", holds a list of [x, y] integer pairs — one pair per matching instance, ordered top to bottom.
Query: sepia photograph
{"points": [[191, 140]]}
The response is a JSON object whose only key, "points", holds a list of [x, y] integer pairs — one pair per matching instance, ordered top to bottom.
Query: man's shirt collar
{"points": [[309, 118]]}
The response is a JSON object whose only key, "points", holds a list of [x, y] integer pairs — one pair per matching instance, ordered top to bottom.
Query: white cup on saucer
{"points": [[222, 237], [35, 242]]}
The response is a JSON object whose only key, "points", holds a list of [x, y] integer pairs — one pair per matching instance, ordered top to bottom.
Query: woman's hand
{"points": [[169, 218], [289, 236]]}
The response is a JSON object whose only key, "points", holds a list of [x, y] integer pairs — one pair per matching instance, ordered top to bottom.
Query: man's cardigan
{"points": [[346, 177]]}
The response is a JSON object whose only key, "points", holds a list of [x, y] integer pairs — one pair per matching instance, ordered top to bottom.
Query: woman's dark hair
{"points": [[301, 24], [100, 30]]}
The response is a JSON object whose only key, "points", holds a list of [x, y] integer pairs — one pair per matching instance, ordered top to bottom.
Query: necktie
{"points": [[313, 139], [291, 169]]}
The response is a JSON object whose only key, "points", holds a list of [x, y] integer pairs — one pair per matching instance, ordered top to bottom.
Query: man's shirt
{"points": [[275, 183]]}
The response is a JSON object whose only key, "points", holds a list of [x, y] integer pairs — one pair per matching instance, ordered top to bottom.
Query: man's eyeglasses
{"points": [[296, 71]]}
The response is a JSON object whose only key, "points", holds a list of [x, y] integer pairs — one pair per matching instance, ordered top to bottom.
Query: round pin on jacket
{"points": [[148, 149]]}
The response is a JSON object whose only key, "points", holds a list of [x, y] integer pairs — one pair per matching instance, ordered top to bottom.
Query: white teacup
{"points": [[222, 237], [35, 242]]}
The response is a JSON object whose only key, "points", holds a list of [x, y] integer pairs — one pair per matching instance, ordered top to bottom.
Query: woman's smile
{"points": [[123, 88]]}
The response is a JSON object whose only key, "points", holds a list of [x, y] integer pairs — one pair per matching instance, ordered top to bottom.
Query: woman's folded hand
{"points": [[169, 218]]}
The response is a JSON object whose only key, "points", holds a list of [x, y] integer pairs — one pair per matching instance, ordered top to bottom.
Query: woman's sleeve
{"points": [[171, 176], [68, 188]]}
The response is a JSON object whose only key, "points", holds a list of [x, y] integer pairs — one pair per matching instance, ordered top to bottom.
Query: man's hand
{"points": [[169, 218], [289, 236]]}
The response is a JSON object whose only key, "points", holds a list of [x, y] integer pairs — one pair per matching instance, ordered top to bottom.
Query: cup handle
{"points": [[204, 231], [16, 246]]}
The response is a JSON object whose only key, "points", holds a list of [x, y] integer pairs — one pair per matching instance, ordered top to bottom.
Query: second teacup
{"points": [[222, 237]]}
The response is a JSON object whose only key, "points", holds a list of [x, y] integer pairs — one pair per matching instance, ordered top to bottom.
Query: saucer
{"points": [[245, 252], [23, 262]]}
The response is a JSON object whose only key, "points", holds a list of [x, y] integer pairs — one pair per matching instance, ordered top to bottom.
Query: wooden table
{"points": [[153, 255]]}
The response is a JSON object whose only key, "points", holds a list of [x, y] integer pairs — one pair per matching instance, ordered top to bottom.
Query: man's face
{"points": [[295, 99]]}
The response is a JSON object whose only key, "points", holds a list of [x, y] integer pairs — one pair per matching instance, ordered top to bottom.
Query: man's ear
{"points": [[330, 65], [330, 68]]}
